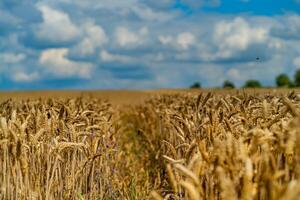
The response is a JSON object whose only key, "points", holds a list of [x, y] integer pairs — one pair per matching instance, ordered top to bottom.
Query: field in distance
{"points": [[129, 97]]}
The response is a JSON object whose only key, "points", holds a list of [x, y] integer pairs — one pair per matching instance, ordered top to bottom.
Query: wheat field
{"points": [[164, 145]]}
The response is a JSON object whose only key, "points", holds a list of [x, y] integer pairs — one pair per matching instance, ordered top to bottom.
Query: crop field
{"points": [[210, 144]]}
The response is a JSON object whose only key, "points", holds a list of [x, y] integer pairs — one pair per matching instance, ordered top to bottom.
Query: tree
{"points": [[297, 78], [282, 80], [228, 84], [252, 84], [292, 84], [195, 85]]}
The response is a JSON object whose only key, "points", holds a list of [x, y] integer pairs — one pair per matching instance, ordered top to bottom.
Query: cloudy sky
{"points": [[142, 44]]}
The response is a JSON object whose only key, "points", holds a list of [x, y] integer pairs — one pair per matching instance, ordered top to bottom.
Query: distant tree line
{"points": [[282, 81]]}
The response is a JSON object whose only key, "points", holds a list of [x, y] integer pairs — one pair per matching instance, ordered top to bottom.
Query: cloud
{"points": [[108, 4], [162, 4], [194, 4], [142, 9], [147, 13], [8, 22], [57, 26], [289, 28], [237, 34], [94, 37], [127, 38], [165, 40], [185, 40], [237, 40], [182, 41], [142, 43], [108, 57], [12, 58], [296, 62], [57, 63], [262, 71], [132, 72], [234, 74], [25, 77]]}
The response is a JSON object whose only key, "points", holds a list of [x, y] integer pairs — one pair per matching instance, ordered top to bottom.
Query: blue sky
{"points": [[142, 44]]}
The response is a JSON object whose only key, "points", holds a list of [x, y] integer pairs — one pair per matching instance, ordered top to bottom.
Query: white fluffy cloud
{"points": [[110, 4], [145, 10], [147, 13], [57, 26], [289, 28], [237, 35], [94, 37], [125, 37], [165, 39], [237, 39], [183, 40], [105, 56], [12, 58], [296, 62], [57, 63], [234, 74], [21, 76]]}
